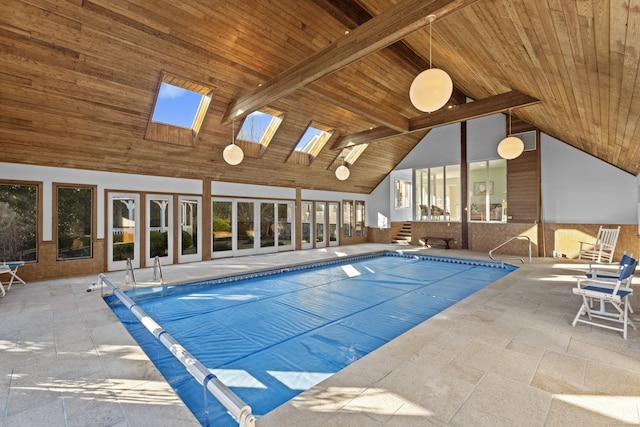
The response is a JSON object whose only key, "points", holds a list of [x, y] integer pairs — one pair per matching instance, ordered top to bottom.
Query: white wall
{"points": [[483, 136], [439, 147], [103, 181], [576, 187], [579, 188], [232, 189], [379, 205], [399, 214]]}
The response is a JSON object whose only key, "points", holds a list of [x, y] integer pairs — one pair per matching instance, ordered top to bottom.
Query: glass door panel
{"points": [[305, 219], [333, 223], [190, 224], [222, 226], [245, 226], [285, 226], [159, 230], [123, 231], [268, 231], [321, 237]]}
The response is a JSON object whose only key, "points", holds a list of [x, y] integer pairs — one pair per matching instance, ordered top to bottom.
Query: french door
{"points": [[190, 220], [159, 229], [123, 230]]}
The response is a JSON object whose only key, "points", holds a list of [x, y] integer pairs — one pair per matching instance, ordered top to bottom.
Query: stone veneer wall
{"points": [[565, 238]]}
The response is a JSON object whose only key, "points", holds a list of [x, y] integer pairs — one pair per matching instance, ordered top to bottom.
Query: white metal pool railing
{"points": [[522, 236], [130, 275], [238, 409]]}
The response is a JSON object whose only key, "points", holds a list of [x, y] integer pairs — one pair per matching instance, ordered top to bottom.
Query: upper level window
{"points": [[178, 111], [257, 131], [311, 143], [402, 190], [488, 190], [438, 193]]}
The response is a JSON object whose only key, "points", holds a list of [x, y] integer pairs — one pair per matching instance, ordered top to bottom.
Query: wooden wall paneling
{"points": [[523, 188]]}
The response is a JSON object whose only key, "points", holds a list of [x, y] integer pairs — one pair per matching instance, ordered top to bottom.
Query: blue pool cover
{"points": [[270, 337]]}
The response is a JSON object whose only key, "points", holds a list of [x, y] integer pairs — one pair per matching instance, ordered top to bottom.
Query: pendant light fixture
{"points": [[432, 88], [510, 147], [233, 154], [342, 172]]}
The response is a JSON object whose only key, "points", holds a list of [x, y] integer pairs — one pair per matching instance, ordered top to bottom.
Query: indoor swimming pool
{"points": [[273, 334]]}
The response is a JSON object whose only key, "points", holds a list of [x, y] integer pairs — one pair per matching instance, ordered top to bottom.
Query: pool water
{"points": [[271, 335]]}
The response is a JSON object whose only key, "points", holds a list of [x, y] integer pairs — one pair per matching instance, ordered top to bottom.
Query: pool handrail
{"points": [[521, 236], [238, 408]]}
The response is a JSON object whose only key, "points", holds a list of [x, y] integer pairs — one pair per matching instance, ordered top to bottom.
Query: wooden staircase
{"points": [[403, 235]]}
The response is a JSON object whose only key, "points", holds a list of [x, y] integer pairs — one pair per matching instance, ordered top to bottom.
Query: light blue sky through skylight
{"points": [[176, 106], [254, 126], [308, 136]]}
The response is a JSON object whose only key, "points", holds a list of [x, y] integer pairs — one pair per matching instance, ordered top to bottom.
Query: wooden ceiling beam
{"points": [[379, 32], [472, 110], [455, 114]]}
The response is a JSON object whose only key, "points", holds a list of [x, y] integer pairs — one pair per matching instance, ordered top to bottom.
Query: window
{"points": [[178, 111], [257, 130], [310, 144], [348, 156], [488, 190], [402, 191], [438, 193], [221, 217], [347, 217], [75, 219], [306, 220], [18, 222], [359, 223]]}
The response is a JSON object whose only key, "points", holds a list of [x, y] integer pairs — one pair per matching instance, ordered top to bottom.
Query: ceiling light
{"points": [[432, 88], [510, 147], [233, 154], [342, 172]]}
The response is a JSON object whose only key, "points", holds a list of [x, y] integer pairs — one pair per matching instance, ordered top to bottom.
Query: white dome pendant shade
{"points": [[430, 90], [510, 147], [233, 154], [342, 172]]}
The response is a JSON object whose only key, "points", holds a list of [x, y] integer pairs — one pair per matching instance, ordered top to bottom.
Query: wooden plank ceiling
{"points": [[78, 79]]}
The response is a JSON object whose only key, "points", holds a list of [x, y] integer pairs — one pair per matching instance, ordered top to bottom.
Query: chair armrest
{"points": [[596, 282]]}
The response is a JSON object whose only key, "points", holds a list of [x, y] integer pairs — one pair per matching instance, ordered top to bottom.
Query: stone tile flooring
{"points": [[505, 356]]}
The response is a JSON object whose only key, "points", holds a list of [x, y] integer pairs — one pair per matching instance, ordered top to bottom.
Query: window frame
{"points": [[56, 218]]}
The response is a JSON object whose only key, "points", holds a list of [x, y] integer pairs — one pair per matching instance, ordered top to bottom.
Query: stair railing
{"points": [[513, 238]]}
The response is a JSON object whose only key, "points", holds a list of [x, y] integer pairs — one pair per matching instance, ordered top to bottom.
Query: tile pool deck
{"points": [[505, 356]]}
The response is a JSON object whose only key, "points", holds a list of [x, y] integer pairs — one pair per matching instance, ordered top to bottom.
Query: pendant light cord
{"points": [[430, 62]]}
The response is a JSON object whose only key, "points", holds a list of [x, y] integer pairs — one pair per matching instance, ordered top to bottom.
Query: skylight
{"points": [[176, 106], [178, 111], [257, 130], [313, 140], [351, 153]]}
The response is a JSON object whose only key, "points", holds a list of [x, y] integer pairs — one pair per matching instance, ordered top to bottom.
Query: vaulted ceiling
{"points": [[78, 79]]}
